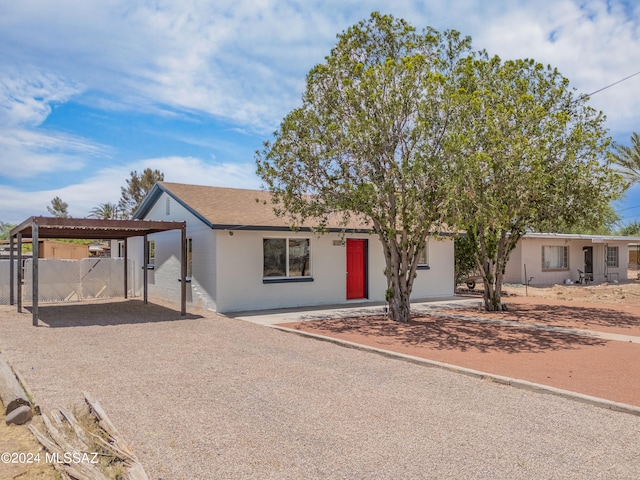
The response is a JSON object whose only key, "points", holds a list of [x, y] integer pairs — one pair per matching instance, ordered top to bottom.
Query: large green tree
{"points": [[367, 142], [529, 155], [627, 157], [137, 188], [58, 208], [5, 229]]}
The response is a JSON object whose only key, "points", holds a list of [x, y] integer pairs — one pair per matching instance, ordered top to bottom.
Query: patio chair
{"points": [[582, 278]]}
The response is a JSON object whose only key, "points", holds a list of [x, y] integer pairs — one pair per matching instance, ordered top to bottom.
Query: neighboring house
{"points": [[52, 249], [241, 256], [551, 258]]}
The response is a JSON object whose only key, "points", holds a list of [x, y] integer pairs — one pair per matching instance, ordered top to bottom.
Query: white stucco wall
{"points": [[530, 254], [240, 264], [228, 267], [163, 280], [439, 280]]}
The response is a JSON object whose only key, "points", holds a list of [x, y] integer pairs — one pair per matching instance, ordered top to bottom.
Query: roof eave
{"points": [[154, 195]]}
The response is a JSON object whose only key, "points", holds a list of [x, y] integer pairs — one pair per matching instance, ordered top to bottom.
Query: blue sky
{"points": [[91, 90]]}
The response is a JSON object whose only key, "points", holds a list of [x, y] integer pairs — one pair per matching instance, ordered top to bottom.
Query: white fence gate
{"points": [[73, 280]]}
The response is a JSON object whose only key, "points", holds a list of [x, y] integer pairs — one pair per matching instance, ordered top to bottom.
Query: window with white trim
{"points": [[612, 256], [555, 257], [286, 258]]}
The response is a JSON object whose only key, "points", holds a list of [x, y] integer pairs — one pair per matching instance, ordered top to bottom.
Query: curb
{"points": [[513, 382]]}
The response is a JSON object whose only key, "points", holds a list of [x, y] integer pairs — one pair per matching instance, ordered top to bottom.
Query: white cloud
{"points": [[590, 43], [245, 61], [26, 95], [26, 99], [28, 153], [194, 170], [104, 185]]}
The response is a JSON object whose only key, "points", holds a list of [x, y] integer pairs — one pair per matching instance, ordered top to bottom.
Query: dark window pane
{"points": [[275, 251], [299, 258]]}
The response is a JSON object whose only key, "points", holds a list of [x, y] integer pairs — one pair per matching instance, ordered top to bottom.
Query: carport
{"points": [[37, 228]]}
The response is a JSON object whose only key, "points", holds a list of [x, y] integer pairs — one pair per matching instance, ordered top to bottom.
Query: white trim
{"points": [[579, 236]]}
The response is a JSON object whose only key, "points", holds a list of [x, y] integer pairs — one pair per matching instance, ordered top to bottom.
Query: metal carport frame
{"points": [[89, 229]]}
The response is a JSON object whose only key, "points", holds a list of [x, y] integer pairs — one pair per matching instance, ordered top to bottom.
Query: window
{"points": [[152, 252], [189, 257], [612, 257], [286, 258], [555, 258], [423, 259]]}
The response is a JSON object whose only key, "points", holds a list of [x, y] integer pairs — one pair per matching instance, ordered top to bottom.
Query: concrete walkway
{"points": [[274, 317]]}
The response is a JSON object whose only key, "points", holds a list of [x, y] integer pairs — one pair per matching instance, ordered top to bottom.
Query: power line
{"points": [[614, 83], [629, 208]]}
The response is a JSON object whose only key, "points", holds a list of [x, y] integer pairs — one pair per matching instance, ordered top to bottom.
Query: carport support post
{"points": [[34, 240], [126, 270], [145, 273], [183, 274], [19, 275], [12, 292]]}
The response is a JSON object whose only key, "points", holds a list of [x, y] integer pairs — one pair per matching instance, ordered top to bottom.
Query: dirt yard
{"points": [[626, 293], [25, 464]]}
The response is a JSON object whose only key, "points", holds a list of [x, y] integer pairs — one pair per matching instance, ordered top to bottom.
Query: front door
{"points": [[588, 262], [356, 269]]}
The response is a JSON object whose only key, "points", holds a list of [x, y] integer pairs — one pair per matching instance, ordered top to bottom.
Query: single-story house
{"points": [[241, 256], [552, 258]]}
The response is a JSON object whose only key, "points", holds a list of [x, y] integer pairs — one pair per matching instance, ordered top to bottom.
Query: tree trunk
{"points": [[493, 270], [399, 281], [492, 297], [399, 303], [13, 396]]}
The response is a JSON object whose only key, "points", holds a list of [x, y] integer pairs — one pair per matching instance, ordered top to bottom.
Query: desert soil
{"points": [[627, 293], [19, 440]]}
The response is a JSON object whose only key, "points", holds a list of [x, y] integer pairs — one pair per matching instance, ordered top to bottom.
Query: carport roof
{"points": [[88, 228]]}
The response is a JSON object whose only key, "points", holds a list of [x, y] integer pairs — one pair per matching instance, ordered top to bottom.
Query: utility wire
{"points": [[614, 83], [629, 208]]}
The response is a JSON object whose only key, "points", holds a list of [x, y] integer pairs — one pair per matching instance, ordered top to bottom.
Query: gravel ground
{"points": [[218, 398]]}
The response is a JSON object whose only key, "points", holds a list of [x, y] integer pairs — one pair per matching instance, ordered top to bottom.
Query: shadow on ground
{"points": [[107, 313], [560, 316], [449, 334]]}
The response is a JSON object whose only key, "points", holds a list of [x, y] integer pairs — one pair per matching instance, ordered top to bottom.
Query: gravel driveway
{"points": [[219, 398]]}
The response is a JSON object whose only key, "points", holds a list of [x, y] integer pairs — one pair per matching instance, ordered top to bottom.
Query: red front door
{"points": [[356, 269]]}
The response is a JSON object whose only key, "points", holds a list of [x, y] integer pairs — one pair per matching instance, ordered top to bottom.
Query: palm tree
{"points": [[628, 159], [105, 211]]}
